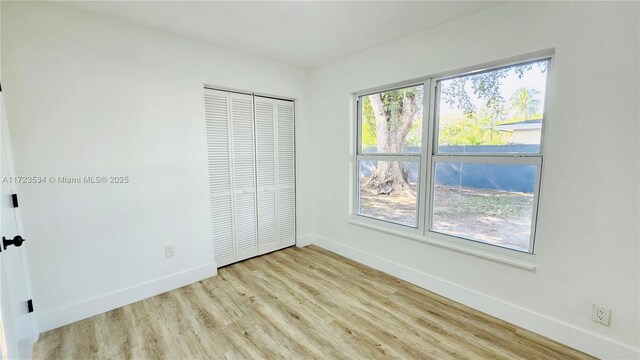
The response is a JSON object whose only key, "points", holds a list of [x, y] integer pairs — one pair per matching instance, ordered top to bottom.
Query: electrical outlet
{"points": [[169, 250], [601, 314]]}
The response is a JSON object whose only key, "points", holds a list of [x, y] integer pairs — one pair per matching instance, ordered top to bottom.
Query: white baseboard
{"points": [[304, 240], [83, 309], [562, 332]]}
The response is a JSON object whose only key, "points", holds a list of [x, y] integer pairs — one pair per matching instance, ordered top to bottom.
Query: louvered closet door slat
{"points": [[217, 125], [265, 142], [285, 143], [218, 151], [243, 152], [266, 166], [286, 173], [244, 176], [286, 217], [245, 219], [267, 221], [222, 224]]}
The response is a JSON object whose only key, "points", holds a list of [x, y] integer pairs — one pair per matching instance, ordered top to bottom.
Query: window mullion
{"points": [[359, 125], [427, 150], [356, 164], [422, 175]]}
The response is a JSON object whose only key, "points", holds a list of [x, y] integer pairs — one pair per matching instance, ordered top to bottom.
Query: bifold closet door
{"points": [[230, 143], [219, 158], [266, 158], [244, 175], [276, 180], [286, 194]]}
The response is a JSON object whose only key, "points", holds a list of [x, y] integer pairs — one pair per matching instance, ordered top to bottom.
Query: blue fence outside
{"points": [[507, 177]]}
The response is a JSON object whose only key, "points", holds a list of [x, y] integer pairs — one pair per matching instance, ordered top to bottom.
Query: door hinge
{"points": [[14, 200], [30, 305]]}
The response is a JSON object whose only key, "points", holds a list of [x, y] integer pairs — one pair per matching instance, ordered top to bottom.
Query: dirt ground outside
{"points": [[491, 216]]}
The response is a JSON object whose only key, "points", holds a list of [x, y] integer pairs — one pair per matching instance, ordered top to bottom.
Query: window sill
{"points": [[489, 255]]}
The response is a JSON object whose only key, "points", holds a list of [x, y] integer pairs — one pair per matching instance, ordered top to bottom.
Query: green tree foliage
{"points": [[485, 86], [524, 103], [476, 126], [473, 129], [369, 138], [414, 138]]}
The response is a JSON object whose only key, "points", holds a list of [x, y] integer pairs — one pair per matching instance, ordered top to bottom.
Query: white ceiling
{"points": [[306, 33]]}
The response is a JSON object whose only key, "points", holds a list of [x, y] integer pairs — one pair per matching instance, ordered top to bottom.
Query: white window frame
{"points": [[429, 156], [401, 157]]}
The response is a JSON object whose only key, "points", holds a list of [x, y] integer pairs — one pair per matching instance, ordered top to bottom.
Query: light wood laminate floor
{"points": [[297, 304]]}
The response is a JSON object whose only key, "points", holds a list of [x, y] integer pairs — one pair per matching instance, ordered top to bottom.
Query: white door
{"points": [[266, 142], [276, 173], [244, 175], [232, 182], [220, 186], [286, 198], [15, 320]]}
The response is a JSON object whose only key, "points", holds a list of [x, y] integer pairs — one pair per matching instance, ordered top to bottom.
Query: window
{"points": [[389, 154], [480, 154]]}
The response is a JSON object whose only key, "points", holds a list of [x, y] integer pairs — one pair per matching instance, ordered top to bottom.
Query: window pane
{"points": [[497, 111], [391, 121], [389, 190], [491, 203]]}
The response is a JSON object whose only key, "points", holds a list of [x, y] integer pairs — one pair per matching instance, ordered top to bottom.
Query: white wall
{"points": [[87, 95], [587, 248]]}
